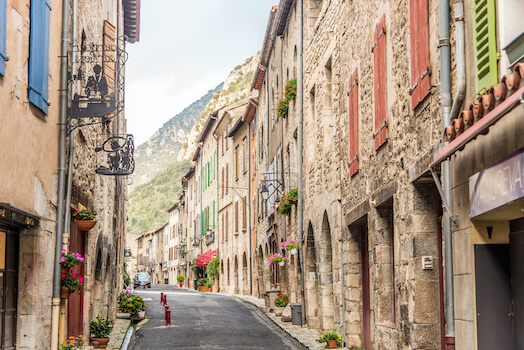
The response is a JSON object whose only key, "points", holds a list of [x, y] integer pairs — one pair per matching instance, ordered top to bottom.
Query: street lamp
{"points": [[264, 192]]}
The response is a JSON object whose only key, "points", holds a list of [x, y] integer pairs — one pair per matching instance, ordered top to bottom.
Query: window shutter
{"points": [[3, 35], [485, 44], [39, 54], [109, 59], [379, 71], [420, 71], [353, 124], [227, 178], [244, 212], [236, 216]]}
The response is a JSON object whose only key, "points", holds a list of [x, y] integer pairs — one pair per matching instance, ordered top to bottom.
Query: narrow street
{"points": [[202, 321]]}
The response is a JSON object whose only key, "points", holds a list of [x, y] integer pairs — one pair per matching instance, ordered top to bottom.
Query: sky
{"points": [[186, 48]]}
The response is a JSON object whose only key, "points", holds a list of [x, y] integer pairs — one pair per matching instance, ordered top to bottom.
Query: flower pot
{"points": [[85, 225], [293, 251], [281, 263], [63, 269], [180, 284], [204, 289], [215, 289], [64, 292], [266, 301], [279, 310], [123, 315], [140, 317], [102, 342], [96, 344], [332, 344]]}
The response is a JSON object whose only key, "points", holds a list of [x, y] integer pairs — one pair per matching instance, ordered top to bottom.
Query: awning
{"points": [[481, 126], [203, 259]]}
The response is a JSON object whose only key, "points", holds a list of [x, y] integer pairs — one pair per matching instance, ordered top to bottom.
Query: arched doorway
{"points": [[235, 272], [326, 276], [245, 277], [311, 277]]}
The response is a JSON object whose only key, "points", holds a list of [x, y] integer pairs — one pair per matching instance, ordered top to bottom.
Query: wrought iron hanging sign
{"points": [[115, 155]]}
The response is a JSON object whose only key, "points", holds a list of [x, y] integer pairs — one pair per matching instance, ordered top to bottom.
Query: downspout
{"points": [[300, 91], [217, 172], [249, 209], [67, 216], [55, 308]]}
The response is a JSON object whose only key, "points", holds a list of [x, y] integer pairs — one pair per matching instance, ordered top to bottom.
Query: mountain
{"points": [[236, 87], [162, 148], [148, 203]]}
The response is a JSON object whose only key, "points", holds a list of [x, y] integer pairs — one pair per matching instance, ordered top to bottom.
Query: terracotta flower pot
{"points": [[85, 225], [63, 269], [180, 285], [204, 289], [215, 289], [64, 292], [101, 341], [332, 344]]}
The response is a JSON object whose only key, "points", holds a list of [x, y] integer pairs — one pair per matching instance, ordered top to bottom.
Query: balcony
{"points": [[210, 238]]}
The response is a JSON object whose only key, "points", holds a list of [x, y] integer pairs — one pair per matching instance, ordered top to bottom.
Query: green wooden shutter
{"points": [[485, 44]]}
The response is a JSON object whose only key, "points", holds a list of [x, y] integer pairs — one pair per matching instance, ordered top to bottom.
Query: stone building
{"points": [[38, 196], [192, 219], [131, 254]]}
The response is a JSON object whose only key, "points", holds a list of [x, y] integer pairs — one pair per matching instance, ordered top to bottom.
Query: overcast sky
{"points": [[186, 48]]}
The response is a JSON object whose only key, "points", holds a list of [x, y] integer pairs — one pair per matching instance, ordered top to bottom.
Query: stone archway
{"points": [[235, 272], [245, 277], [311, 277], [325, 291]]}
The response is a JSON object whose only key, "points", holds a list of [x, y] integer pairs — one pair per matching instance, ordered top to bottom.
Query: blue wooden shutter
{"points": [[3, 32], [39, 54]]}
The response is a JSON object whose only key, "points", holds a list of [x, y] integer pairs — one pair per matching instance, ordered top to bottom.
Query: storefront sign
{"points": [[497, 185]]}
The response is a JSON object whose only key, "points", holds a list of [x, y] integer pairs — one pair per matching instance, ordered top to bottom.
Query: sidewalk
{"points": [[116, 338]]}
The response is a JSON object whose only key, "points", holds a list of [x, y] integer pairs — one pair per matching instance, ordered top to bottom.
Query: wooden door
{"points": [[8, 288], [75, 305], [366, 308]]}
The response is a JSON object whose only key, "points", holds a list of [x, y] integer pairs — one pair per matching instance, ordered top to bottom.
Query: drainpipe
{"points": [[460, 53], [300, 82], [249, 209], [55, 308]]}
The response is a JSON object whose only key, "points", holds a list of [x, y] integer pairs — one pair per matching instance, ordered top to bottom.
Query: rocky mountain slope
{"points": [[236, 87], [162, 148]]}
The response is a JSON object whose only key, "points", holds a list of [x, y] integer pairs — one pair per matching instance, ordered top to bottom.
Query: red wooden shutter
{"points": [[379, 61], [420, 71], [353, 123]]}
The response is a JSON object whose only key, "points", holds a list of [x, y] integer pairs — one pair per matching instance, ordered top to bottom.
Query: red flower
{"points": [[278, 294]]}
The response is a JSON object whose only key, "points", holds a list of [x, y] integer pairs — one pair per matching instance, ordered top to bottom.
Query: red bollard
{"points": [[144, 286], [161, 298], [165, 299], [166, 309], [168, 318]]}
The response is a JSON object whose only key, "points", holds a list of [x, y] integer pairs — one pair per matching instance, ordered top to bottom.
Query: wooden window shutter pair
{"points": [[420, 64], [379, 72], [353, 123]]}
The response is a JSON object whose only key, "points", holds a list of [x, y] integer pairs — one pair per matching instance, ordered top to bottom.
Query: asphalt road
{"points": [[203, 321]]}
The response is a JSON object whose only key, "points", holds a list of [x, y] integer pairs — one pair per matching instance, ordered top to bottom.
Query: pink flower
{"points": [[63, 251], [62, 259], [63, 275], [81, 279]]}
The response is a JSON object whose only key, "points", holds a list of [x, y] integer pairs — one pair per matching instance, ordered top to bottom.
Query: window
{"points": [[3, 31], [485, 42], [39, 54], [420, 71], [379, 72], [328, 84], [353, 123], [244, 155], [236, 162], [227, 178], [222, 181], [244, 213], [236, 216], [227, 224]]}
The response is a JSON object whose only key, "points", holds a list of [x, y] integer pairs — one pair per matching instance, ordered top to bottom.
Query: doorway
{"points": [[9, 243], [75, 305], [366, 305]]}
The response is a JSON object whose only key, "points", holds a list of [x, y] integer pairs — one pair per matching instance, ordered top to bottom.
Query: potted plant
{"points": [[291, 89], [282, 107], [287, 201], [85, 219], [290, 245], [277, 258], [70, 259], [213, 271], [180, 279], [70, 283], [204, 284], [209, 285], [265, 295], [280, 303], [100, 329], [331, 337], [72, 343]]}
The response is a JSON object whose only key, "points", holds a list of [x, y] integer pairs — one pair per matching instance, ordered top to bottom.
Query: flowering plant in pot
{"points": [[291, 89], [282, 107], [287, 201], [85, 219], [290, 245], [277, 258], [70, 259], [180, 279], [70, 282], [131, 303], [280, 303], [100, 329], [331, 337], [72, 343]]}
